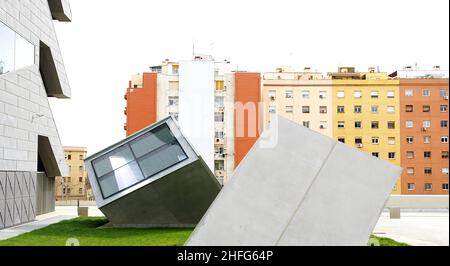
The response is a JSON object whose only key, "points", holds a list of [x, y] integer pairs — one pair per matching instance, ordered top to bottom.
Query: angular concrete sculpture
{"points": [[153, 178], [305, 189]]}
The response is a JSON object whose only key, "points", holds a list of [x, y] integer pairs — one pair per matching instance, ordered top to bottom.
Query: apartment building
{"points": [[31, 71], [201, 94], [303, 97], [366, 113], [424, 131], [74, 186]]}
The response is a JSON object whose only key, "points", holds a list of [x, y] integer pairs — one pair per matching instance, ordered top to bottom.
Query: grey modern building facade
{"points": [[31, 70], [153, 178]]}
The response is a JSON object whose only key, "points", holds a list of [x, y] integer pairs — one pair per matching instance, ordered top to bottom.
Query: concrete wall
{"points": [[306, 190], [17, 198]]}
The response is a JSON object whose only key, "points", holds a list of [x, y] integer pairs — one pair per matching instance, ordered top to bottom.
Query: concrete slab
{"points": [[306, 190], [40, 222], [425, 228]]}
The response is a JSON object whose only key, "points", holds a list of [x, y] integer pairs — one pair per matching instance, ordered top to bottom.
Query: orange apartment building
{"points": [[141, 102], [247, 123], [424, 133]]}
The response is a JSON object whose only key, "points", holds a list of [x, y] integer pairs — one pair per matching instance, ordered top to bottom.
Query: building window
{"points": [[15, 51], [409, 93], [426, 93], [443, 93], [289, 94], [305, 94], [322, 94], [340, 94], [357, 94], [374, 94], [391, 94], [272, 95], [173, 100], [219, 102], [409, 108], [426, 108], [444, 108], [272, 109], [289, 109], [305, 109], [323, 109], [341, 109], [358, 109], [374, 109], [391, 109], [174, 114], [218, 116], [306, 124], [341, 124], [358, 124], [375, 124], [391, 124], [409, 124], [426, 124], [444, 124], [323, 125], [219, 134], [341, 139], [410, 139], [426, 139], [444, 139], [375, 140], [358, 141], [391, 141], [376, 154], [427, 154], [391, 155], [410, 155], [444, 155], [69, 157], [81, 157], [81, 168], [410, 170], [428, 171], [445, 171], [69, 179], [80, 180], [411, 186], [445, 186], [428, 187], [64, 190], [68, 191], [80, 191]]}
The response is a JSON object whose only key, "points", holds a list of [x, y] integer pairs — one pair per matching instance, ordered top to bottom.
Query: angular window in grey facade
{"points": [[15, 51], [138, 160]]}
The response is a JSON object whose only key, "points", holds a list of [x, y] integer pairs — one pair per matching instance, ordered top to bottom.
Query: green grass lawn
{"points": [[86, 231]]}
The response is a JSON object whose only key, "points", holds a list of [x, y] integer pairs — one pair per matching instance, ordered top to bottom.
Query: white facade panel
{"points": [[196, 106]]}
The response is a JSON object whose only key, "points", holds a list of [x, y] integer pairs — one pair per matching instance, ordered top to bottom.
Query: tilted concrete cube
{"points": [[153, 178], [298, 187]]}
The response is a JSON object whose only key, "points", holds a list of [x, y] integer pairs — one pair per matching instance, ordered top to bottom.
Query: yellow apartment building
{"points": [[303, 97], [366, 113], [75, 186]]}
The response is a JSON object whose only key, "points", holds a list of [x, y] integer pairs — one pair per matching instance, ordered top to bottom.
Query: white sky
{"points": [[109, 40]]}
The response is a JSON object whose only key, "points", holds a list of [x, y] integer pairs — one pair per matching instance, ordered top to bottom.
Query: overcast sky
{"points": [[109, 40]]}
